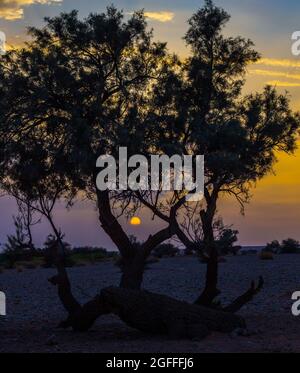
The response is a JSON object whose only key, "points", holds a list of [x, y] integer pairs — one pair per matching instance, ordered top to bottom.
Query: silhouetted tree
{"points": [[81, 89], [77, 90], [205, 113], [239, 136], [16, 245], [20, 245], [290, 246], [273, 247]]}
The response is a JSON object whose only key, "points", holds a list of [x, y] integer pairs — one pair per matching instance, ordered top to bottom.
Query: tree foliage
{"points": [[83, 88]]}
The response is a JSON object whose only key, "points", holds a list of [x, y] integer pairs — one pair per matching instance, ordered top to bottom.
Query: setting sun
{"points": [[135, 221]]}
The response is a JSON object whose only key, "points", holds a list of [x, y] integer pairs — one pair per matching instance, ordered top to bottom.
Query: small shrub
{"points": [[225, 244], [50, 245], [17, 247], [273, 247], [165, 250], [86, 255], [265, 255], [205, 259], [152, 260], [81, 264], [30, 265]]}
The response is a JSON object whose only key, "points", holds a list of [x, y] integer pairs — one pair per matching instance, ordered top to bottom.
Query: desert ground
{"points": [[33, 308]]}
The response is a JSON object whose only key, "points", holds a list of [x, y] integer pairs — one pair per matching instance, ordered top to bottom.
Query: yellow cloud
{"points": [[14, 9], [160, 16], [278, 62], [275, 73], [279, 83]]}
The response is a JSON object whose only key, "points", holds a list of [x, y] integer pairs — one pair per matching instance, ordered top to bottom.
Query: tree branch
{"points": [[236, 305]]}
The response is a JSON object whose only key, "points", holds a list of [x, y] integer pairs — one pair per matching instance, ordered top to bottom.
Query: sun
{"points": [[135, 221]]}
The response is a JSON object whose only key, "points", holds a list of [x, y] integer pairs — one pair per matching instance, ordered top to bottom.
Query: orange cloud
{"points": [[14, 9], [160, 16], [163, 16], [278, 62], [275, 73], [279, 83]]}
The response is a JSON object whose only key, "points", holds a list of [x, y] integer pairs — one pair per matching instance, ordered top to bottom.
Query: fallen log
{"points": [[159, 314]]}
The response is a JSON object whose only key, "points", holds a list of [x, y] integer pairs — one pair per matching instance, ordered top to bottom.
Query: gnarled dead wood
{"points": [[236, 305], [145, 311], [154, 314], [159, 314]]}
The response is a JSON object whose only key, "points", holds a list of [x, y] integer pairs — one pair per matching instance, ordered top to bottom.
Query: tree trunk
{"points": [[133, 260], [133, 272], [62, 279], [210, 291], [154, 314], [159, 314]]}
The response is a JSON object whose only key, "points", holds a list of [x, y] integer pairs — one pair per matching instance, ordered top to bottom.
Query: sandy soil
{"points": [[34, 310]]}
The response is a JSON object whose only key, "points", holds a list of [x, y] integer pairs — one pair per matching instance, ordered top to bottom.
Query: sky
{"points": [[274, 212]]}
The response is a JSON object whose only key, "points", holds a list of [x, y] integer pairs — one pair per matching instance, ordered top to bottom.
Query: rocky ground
{"points": [[33, 308]]}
